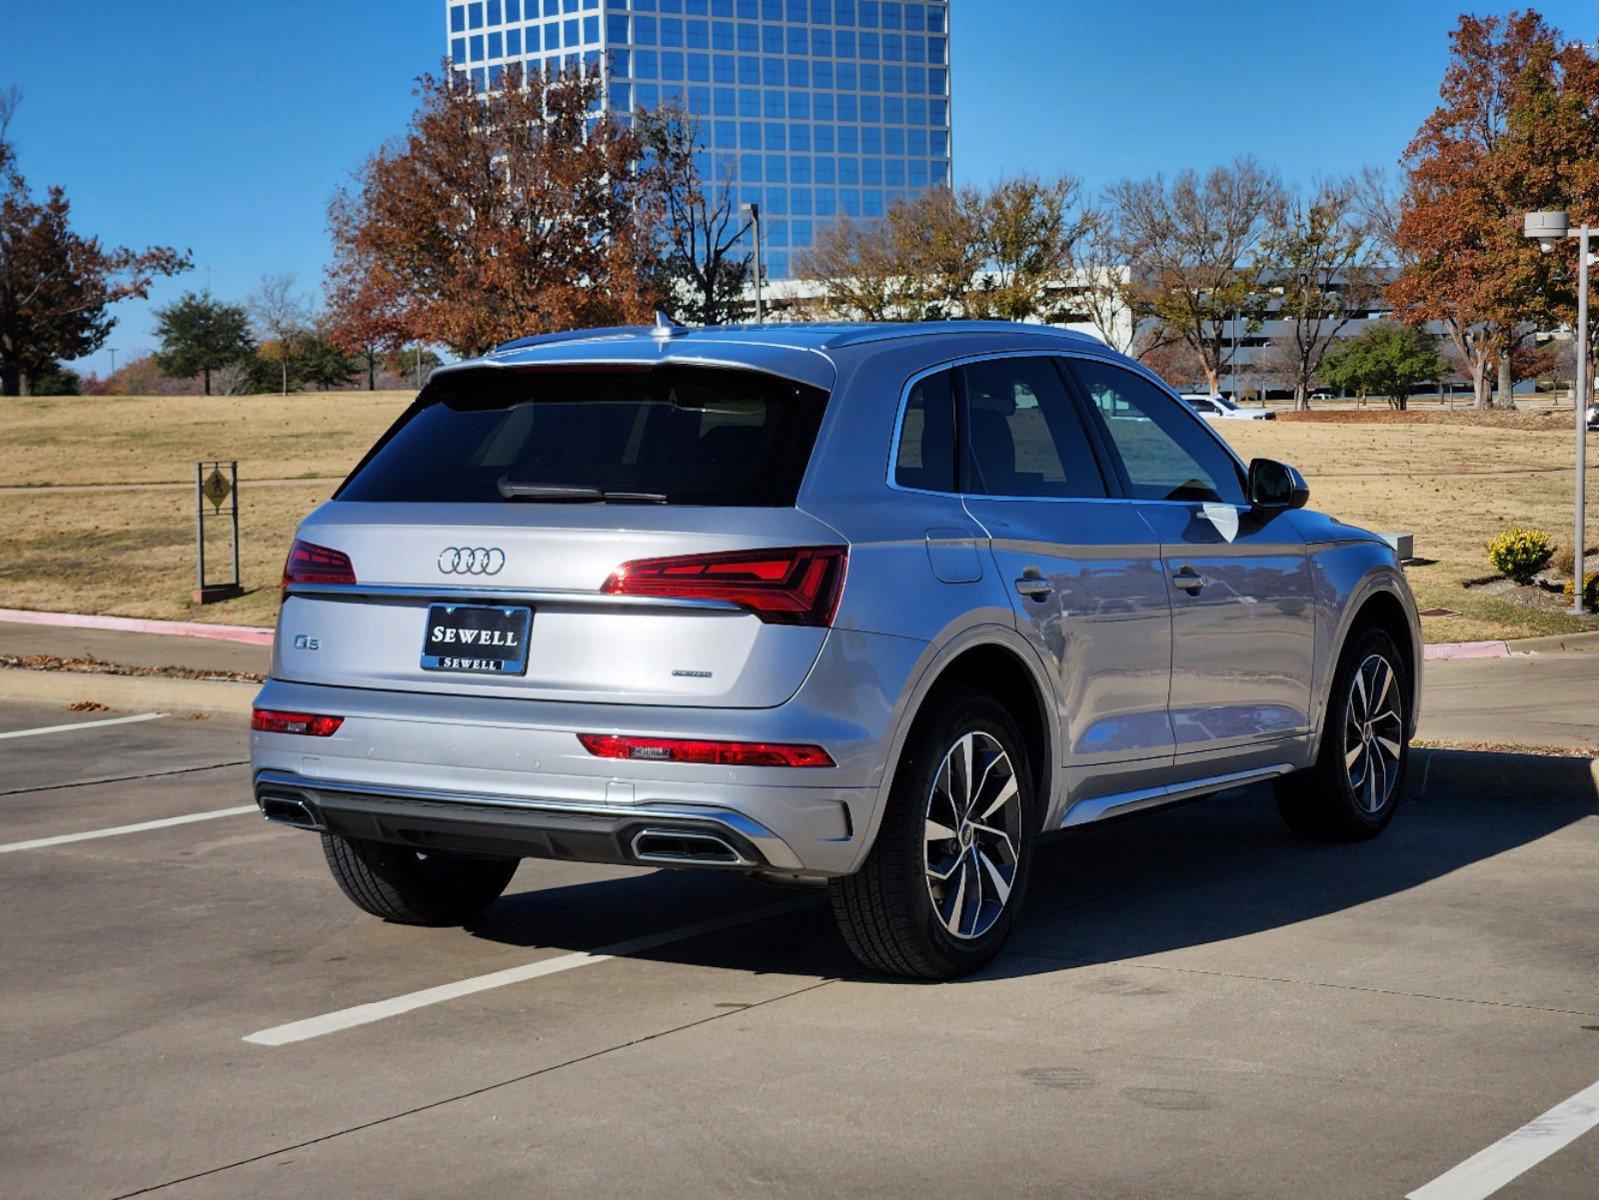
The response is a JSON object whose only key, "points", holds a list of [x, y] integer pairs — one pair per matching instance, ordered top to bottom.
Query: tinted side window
{"points": [[1023, 435], [1167, 454], [926, 455]]}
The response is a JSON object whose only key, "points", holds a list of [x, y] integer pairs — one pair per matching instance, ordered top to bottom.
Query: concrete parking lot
{"points": [[1194, 1006]]}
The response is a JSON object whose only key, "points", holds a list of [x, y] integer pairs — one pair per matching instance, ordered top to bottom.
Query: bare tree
{"points": [[9, 100], [701, 224], [1198, 251], [1325, 273], [1102, 286], [282, 316]]}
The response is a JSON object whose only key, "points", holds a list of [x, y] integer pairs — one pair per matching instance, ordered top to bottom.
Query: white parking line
{"points": [[22, 733], [115, 830], [365, 1014], [1485, 1172]]}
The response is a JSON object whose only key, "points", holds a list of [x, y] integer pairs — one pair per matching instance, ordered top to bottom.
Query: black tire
{"points": [[1324, 803], [410, 887], [886, 910]]}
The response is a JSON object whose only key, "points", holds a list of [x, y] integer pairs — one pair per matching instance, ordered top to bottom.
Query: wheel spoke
{"points": [[1387, 678], [1390, 746], [967, 748], [1353, 756], [1003, 798], [937, 832], [943, 875], [1000, 884], [957, 902]]}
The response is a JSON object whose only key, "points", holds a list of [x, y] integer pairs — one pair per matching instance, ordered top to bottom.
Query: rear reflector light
{"points": [[308, 563], [800, 585], [271, 720], [689, 750]]}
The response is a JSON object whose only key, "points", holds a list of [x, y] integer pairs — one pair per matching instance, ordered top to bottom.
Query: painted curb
{"points": [[251, 635], [1454, 650], [137, 692]]}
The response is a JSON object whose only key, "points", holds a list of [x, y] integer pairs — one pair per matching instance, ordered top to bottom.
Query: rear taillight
{"points": [[308, 563], [800, 585], [272, 720], [694, 750]]}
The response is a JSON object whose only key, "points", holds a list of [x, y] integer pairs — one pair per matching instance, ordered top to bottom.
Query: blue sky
{"points": [[224, 127]]}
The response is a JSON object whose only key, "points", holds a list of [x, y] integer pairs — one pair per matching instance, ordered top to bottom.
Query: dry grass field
{"points": [[103, 539]]}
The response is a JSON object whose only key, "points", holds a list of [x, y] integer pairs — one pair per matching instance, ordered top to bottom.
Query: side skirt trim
{"points": [[1098, 808]]}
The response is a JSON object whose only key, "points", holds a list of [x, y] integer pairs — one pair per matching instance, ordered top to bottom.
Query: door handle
{"points": [[1189, 580], [1033, 585]]}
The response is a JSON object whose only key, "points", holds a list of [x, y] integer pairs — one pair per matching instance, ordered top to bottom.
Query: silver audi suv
{"points": [[866, 607]]}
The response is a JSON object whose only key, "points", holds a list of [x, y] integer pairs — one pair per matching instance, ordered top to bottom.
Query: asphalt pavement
{"points": [[1194, 1005]]}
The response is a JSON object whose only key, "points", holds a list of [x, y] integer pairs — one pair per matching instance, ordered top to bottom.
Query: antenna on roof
{"points": [[665, 329]]}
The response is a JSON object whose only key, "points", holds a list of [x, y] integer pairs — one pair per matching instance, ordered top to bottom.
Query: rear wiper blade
{"points": [[566, 493]]}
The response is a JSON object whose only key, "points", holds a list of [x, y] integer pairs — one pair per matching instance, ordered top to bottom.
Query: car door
{"points": [[1084, 570], [1243, 621]]}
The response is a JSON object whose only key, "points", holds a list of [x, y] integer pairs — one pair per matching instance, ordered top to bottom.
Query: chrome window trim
{"points": [[1133, 367]]}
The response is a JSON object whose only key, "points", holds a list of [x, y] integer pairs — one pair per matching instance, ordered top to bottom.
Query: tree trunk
{"points": [[285, 366], [371, 372], [205, 373], [1213, 380], [25, 385], [1507, 385], [1481, 396], [1301, 397]]}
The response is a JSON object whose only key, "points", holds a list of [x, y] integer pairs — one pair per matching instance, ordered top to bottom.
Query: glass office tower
{"points": [[816, 109]]}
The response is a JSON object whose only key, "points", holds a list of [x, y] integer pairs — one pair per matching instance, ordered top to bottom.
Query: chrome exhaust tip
{"points": [[290, 810], [686, 848]]}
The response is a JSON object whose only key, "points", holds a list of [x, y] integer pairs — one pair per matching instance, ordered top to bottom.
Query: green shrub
{"points": [[1521, 553], [1590, 589]]}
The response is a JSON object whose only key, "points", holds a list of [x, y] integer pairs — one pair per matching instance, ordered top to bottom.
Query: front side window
{"points": [[1023, 435], [1167, 454], [926, 456]]}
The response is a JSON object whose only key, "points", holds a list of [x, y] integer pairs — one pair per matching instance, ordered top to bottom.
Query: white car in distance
{"points": [[1224, 409]]}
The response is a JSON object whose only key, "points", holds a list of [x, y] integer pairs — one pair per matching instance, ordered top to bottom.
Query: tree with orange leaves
{"points": [[1507, 138], [499, 215]]}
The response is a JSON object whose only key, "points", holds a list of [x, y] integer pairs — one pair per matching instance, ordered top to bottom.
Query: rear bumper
{"points": [[408, 765], [646, 835]]}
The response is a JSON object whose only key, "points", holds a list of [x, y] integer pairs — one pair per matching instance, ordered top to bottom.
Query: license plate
{"points": [[476, 639]]}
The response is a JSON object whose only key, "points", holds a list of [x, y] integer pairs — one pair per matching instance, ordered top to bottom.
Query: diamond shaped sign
{"points": [[216, 488]]}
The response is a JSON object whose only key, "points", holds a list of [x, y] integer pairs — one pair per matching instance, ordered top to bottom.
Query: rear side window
{"points": [[668, 435], [1023, 435], [1167, 454], [926, 457]]}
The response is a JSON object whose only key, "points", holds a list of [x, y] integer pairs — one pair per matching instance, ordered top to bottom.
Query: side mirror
{"points": [[1276, 485]]}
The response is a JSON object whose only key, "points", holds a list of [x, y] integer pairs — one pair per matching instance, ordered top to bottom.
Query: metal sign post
{"points": [[216, 488]]}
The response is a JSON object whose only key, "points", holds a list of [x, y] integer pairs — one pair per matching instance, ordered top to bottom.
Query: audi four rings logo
{"points": [[471, 560]]}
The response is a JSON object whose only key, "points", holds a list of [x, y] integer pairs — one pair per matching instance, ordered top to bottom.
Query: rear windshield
{"points": [[666, 435]]}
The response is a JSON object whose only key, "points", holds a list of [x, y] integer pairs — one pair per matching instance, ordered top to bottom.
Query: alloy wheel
{"points": [[1373, 733], [972, 835]]}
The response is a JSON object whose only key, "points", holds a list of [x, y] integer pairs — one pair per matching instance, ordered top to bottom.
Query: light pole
{"points": [[754, 211], [1548, 228]]}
